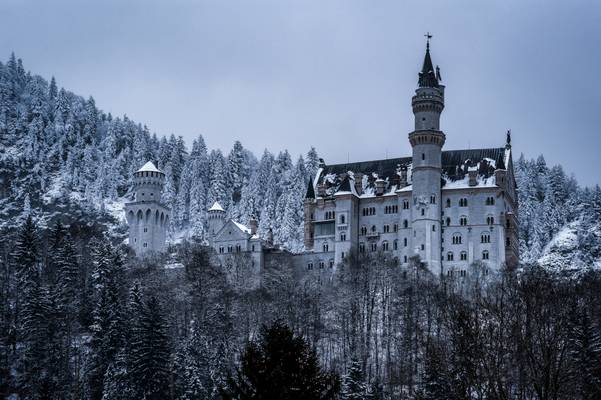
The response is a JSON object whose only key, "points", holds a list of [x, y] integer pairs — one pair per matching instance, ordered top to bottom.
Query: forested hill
{"points": [[60, 156]]}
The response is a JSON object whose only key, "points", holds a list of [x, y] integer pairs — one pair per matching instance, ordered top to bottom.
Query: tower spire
{"points": [[428, 76]]}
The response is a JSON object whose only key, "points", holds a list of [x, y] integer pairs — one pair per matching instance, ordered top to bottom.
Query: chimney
{"points": [[472, 174], [403, 177], [358, 182], [380, 185], [253, 225]]}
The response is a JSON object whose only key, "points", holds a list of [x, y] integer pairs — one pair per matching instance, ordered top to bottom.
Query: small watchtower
{"points": [[147, 217], [216, 220]]}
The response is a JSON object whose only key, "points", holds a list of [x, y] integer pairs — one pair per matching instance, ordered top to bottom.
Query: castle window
{"points": [[423, 156], [432, 199], [490, 201], [463, 202], [448, 203], [405, 204], [423, 211], [329, 215], [342, 219], [463, 220], [490, 220], [448, 221], [508, 223], [405, 224], [395, 227], [373, 228], [386, 228], [433, 228], [145, 229], [363, 230], [342, 237], [457, 238], [485, 238], [404, 242], [507, 242], [145, 244], [385, 245], [395, 245], [422, 246], [253, 247], [325, 247], [361, 247], [374, 247], [238, 248], [221, 249], [229, 249], [342, 255], [485, 255], [449, 256], [463, 256], [404, 259], [331, 263], [322, 265], [310, 266], [462, 273]]}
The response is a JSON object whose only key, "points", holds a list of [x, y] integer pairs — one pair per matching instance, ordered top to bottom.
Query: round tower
{"points": [[426, 141], [147, 217], [216, 219]]}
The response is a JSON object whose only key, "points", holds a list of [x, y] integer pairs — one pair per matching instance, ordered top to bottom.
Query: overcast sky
{"points": [[338, 75]]}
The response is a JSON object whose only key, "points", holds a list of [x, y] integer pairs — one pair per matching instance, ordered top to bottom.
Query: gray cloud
{"points": [[338, 74]]}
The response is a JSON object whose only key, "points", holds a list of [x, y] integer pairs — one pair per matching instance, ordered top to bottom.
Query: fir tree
{"points": [[280, 366]]}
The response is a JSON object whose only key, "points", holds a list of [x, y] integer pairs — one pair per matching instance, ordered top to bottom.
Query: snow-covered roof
{"points": [[148, 167], [216, 207], [242, 227]]}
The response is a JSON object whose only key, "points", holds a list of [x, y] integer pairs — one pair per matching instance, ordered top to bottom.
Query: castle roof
{"points": [[427, 76], [455, 165], [148, 167], [216, 207]]}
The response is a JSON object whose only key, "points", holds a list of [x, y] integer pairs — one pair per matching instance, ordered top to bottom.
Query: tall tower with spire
{"points": [[426, 141]]}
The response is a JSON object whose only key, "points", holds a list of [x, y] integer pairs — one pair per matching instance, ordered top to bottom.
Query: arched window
{"points": [[423, 156], [432, 199], [490, 201], [463, 202], [448, 203], [405, 204], [423, 211], [342, 219], [463, 220], [490, 220], [448, 221], [405, 224], [373, 228], [363, 230], [342, 237], [485, 237], [457, 239], [405, 242], [507, 242], [395, 244], [385, 245], [325, 247], [361, 247], [374, 247], [485, 255], [450, 256], [463, 256], [331, 263]]}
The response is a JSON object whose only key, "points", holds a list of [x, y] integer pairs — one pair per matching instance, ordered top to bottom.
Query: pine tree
{"points": [[150, 353], [585, 354], [280, 366], [353, 386]]}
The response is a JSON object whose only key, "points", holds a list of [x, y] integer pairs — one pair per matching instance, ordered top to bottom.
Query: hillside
{"points": [[62, 157]]}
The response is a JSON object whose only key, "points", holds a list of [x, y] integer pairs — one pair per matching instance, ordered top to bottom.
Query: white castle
{"points": [[449, 208]]}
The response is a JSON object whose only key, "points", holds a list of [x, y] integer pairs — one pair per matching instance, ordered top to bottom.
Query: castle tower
{"points": [[426, 141], [308, 211], [147, 217], [216, 220]]}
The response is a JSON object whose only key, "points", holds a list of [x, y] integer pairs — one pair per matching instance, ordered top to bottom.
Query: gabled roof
{"points": [[148, 167], [216, 207]]}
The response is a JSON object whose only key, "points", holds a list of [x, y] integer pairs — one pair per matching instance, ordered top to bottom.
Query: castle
{"points": [[451, 208]]}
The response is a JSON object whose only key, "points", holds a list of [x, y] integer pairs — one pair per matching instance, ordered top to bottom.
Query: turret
{"points": [[426, 141], [147, 217], [216, 219]]}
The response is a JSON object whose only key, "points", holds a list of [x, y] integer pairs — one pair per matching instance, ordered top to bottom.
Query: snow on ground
{"points": [[174, 265]]}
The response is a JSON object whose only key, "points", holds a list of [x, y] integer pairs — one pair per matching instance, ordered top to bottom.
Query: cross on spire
{"points": [[428, 36]]}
